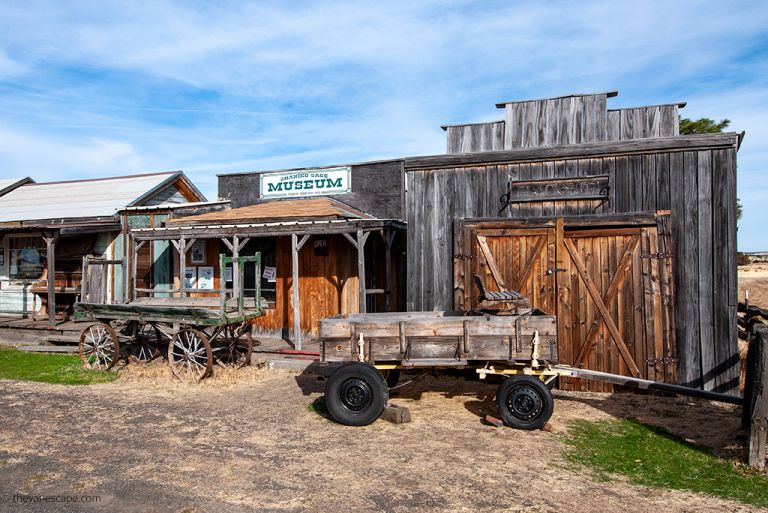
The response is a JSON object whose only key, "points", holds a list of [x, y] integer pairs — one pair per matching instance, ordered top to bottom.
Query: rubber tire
{"points": [[392, 377], [532, 385], [378, 388]]}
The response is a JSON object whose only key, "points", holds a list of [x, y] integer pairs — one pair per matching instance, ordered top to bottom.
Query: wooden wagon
{"points": [[195, 332], [375, 347], [522, 348]]}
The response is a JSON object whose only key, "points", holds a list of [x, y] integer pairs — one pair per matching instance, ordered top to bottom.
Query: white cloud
{"points": [[47, 158]]}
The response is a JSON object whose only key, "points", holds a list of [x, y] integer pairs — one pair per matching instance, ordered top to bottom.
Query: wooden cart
{"points": [[195, 332], [373, 348]]}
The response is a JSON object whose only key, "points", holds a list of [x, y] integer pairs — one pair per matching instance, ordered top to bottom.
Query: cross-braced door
{"points": [[609, 287]]}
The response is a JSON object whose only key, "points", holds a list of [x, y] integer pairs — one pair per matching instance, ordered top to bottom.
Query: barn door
{"points": [[511, 260], [611, 289], [612, 315]]}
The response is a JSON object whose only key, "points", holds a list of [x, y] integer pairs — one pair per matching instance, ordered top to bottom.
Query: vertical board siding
{"points": [[643, 122], [475, 137], [697, 187]]}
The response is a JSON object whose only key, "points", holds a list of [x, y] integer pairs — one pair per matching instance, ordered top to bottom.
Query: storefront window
{"points": [[27, 257]]}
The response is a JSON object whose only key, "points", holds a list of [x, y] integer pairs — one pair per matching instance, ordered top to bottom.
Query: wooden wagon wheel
{"points": [[145, 343], [99, 346], [234, 351], [190, 355]]}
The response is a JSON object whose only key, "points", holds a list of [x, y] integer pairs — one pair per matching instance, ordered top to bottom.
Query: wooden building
{"points": [[608, 218], [49, 230], [332, 241]]}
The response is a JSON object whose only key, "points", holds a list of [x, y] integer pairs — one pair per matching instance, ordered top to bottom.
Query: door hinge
{"points": [[462, 256], [659, 256]]}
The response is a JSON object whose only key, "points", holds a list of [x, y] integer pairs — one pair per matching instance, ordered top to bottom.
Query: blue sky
{"points": [[110, 87]]}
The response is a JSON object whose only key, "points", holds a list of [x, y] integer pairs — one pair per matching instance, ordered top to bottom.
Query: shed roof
{"points": [[101, 197], [315, 208]]}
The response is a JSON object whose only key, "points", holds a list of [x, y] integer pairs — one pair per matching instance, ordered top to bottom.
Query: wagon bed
{"points": [[194, 332]]}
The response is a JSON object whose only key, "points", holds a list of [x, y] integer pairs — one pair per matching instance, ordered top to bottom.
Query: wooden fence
{"points": [[755, 412]]}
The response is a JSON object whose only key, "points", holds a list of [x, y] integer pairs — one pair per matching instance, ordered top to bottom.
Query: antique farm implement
{"points": [[194, 332], [521, 347]]}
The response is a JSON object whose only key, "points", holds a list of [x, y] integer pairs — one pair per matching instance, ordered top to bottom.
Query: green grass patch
{"points": [[61, 369], [651, 456]]}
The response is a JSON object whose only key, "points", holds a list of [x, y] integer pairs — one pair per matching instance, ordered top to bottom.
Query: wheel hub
{"points": [[356, 394], [524, 403]]}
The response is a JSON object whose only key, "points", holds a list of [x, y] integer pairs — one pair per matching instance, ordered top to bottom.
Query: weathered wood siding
{"points": [[577, 119], [643, 122], [475, 137], [694, 177], [377, 188]]}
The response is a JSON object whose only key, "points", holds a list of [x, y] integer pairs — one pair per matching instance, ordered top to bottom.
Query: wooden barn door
{"points": [[511, 260], [611, 289], [612, 313]]}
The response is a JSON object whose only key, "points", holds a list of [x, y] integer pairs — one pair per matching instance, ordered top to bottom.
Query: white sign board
{"points": [[309, 182]]}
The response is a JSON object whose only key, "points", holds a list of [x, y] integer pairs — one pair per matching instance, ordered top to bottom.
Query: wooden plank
{"points": [[362, 237], [482, 243], [50, 248], [525, 273], [705, 279], [295, 291], [608, 298], [618, 340], [689, 344], [757, 403]]}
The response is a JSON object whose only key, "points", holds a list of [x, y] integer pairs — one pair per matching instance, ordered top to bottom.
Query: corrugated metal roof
{"points": [[77, 198], [317, 208]]}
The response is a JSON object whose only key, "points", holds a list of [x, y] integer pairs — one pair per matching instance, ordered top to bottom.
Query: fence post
{"points": [[756, 395]]}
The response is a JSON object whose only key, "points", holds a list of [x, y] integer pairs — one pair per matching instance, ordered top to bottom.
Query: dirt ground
{"points": [[754, 277], [247, 441]]}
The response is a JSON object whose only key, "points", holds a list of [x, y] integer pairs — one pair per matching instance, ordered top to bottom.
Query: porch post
{"points": [[389, 237], [361, 238], [296, 246], [50, 251], [182, 265]]}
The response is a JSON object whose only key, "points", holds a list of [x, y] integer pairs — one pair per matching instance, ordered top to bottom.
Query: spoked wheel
{"points": [[145, 344], [99, 347], [235, 351], [190, 355], [356, 394], [524, 402]]}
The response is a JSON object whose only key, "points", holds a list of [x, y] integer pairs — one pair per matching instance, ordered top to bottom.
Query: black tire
{"points": [[392, 377], [356, 394], [524, 402]]}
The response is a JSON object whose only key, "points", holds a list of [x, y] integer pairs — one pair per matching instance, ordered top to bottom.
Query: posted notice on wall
{"points": [[270, 274], [205, 277], [190, 278]]}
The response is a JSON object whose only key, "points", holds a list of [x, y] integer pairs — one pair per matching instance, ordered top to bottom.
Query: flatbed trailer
{"points": [[195, 332], [521, 347]]}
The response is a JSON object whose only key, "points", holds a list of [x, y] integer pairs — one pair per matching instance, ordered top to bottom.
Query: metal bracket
{"points": [[462, 256], [658, 256]]}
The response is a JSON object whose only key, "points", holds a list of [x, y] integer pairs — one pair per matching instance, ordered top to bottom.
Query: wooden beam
{"points": [[612, 148], [361, 238], [350, 239], [388, 239], [303, 241], [242, 243], [483, 243], [228, 244], [182, 247], [50, 251], [526, 272], [613, 288], [295, 291], [612, 329], [756, 399]]}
